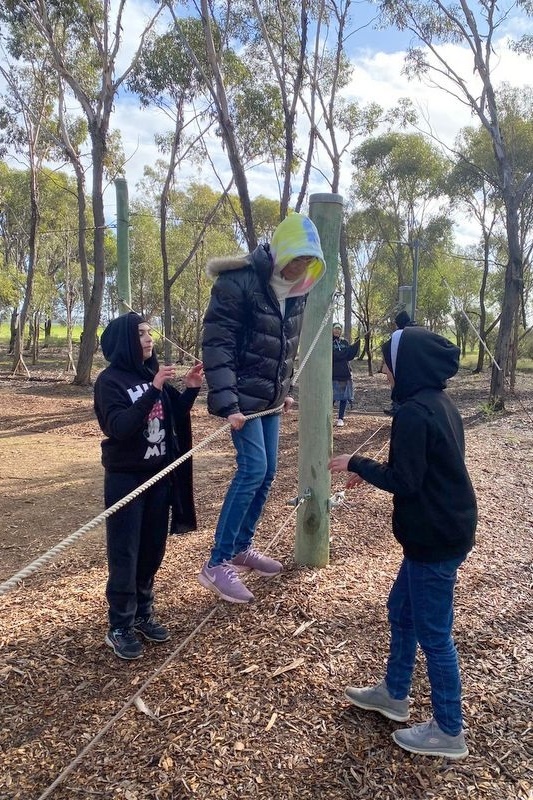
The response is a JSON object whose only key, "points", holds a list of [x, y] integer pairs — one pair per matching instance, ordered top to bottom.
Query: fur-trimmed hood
{"points": [[217, 265]]}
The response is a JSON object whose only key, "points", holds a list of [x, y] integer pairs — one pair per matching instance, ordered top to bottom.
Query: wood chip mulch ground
{"points": [[251, 704]]}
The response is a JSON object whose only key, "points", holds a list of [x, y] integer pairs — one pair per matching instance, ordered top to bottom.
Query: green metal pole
{"points": [[123, 246], [315, 396]]}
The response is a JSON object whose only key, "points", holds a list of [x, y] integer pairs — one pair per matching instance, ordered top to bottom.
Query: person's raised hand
{"points": [[167, 372], [194, 377], [339, 463], [354, 480]]}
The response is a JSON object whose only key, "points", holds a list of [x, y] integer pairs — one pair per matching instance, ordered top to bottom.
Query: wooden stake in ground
{"points": [[315, 398]]}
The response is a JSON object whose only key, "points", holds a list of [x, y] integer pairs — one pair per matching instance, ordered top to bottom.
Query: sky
{"points": [[377, 57]]}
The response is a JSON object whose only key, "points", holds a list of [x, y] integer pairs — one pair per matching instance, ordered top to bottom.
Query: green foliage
{"points": [[165, 68], [399, 181], [266, 216], [190, 290]]}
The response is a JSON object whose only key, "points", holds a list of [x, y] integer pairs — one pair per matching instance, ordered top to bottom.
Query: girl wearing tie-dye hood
{"points": [[251, 333]]}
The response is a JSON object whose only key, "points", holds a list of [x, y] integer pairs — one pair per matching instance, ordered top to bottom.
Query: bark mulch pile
{"points": [[250, 704]]}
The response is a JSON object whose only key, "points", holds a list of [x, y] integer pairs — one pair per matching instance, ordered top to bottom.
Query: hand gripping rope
{"points": [[12, 582]]}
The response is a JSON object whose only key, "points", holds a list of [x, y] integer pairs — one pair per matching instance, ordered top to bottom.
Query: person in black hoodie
{"points": [[401, 320], [342, 353], [147, 425], [434, 519]]}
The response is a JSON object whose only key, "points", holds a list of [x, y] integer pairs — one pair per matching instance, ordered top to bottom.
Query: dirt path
{"points": [[224, 720]]}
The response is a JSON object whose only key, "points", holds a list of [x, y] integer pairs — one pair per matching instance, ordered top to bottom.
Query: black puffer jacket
{"points": [[248, 348]]}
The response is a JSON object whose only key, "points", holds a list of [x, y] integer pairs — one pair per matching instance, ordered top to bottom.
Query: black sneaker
{"points": [[151, 629], [124, 643]]}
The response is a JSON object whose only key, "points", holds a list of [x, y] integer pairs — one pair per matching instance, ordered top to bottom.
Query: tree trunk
{"points": [[228, 130], [163, 210], [32, 255], [348, 289], [482, 307], [510, 308], [91, 318], [13, 330]]}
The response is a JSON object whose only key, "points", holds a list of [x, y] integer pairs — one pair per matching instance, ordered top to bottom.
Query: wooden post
{"points": [[123, 246], [315, 395]]}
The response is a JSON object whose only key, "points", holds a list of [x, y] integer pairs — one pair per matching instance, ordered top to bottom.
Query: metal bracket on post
{"points": [[297, 500], [336, 500]]}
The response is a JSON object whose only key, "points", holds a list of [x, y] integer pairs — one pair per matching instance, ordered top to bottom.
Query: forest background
{"points": [[262, 94]]}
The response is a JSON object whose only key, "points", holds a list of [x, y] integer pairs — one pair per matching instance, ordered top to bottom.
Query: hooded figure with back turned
{"points": [[434, 520]]}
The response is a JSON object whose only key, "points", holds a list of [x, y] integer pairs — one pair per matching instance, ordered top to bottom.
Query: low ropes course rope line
{"points": [[89, 526], [35, 565], [134, 697], [132, 700]]}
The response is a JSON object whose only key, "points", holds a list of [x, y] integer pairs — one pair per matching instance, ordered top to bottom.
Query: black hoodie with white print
{"points": [[146, 428]]}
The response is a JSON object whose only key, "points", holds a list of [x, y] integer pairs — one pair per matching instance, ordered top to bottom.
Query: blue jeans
{"points": [[257, 454], [420, 609]]}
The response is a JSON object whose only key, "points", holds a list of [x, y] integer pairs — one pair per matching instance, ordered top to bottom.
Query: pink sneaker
{"points": [[250, 559], [223, 580]]}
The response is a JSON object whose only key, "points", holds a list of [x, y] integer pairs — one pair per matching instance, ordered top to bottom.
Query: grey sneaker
{"points": [[251, 559], [223, 580], [151, 629], [124, 643], [377, 698], [428, 739]]}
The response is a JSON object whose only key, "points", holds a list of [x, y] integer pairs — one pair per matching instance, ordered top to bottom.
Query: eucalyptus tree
{"points": [[474, 25], [83, 41], [277, 47], [165, 76], [28, 103], [247, 110], [335, 122], [401, 177], [476, 184], [471, 190], [205, 216], [266, 216], [199, 226], [13, 240], [59, 256], [146, 274], [463, 274], [373, 283]]}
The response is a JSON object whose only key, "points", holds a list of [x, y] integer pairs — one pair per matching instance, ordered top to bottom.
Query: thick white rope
{"points": [[35, 565], [6, 586], [131, 700]]}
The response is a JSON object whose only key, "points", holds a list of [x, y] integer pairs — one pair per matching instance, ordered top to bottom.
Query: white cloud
{"points": [[378, 77]]}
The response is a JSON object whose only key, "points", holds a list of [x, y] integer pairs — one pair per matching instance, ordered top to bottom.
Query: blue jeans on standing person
{"points": [[257, 454], [420, 610]]}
